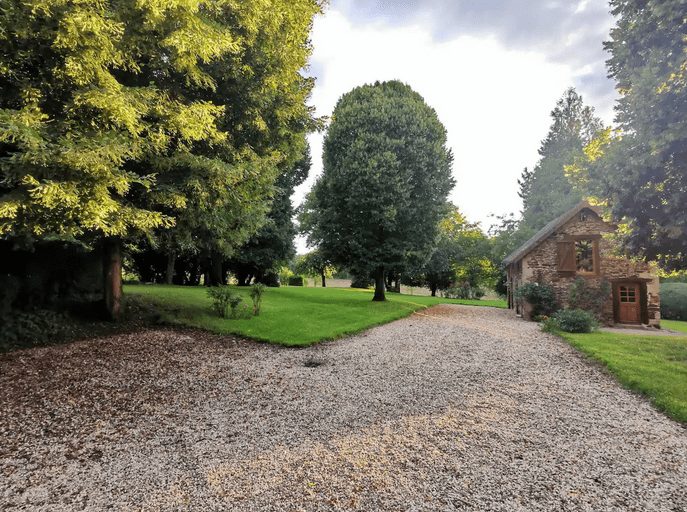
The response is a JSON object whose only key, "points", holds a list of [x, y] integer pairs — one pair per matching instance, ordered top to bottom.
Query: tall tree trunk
{"points": [[205, 267], [215, 269], [169, 276], [112, 278], [324, 283], [379, 286]]}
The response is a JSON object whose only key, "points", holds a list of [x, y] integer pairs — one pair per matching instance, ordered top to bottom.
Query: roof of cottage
{"points": [[547, 231]]}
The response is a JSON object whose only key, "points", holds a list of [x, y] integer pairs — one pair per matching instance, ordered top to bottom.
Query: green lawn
{"points": [[293, 316], [674, 325], [655, 366]]}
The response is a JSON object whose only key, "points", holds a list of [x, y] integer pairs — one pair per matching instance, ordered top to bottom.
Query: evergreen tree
{"points": [[525, 184], [546, 190]]}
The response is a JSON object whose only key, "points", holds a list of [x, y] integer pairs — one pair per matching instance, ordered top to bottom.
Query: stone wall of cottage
{"points": [[541, 266]]}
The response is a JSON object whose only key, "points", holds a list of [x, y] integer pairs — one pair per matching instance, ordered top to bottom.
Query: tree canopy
{"points": [[124, 118], [640, 170], [387, 173], [545, 191], [273, 244]]}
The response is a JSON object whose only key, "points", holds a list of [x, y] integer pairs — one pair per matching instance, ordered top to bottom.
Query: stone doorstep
{"points": [[645, 327]]}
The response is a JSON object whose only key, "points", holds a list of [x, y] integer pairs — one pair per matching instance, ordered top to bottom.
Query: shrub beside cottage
{"points": [[573, 247]]}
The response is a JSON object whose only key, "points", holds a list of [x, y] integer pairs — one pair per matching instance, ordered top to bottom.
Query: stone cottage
{"points": [[573, 246]]}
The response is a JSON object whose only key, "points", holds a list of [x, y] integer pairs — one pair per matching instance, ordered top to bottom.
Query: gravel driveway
{"points": [[458, 408]]}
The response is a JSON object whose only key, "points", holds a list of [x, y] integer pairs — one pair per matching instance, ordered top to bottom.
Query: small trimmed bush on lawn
{"points": [[298, 281], [256, 293], [224, 299], [570, 320]]}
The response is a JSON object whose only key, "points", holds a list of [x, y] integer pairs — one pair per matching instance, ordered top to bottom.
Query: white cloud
{"points": [[582, 6], [494, 102]]}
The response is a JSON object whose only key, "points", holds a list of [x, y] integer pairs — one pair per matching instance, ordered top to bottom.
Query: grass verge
{"points": [[292, 316], [674, 325], [655, 366]]}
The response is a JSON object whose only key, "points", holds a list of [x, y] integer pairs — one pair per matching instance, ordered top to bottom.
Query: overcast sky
{"points": [[492, 70]]}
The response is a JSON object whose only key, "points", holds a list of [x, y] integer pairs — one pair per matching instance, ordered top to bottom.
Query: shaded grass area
{"points": [[292, 316], [655, 366]]}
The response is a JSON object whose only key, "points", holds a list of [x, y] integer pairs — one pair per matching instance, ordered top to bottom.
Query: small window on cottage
{"points": [[584, 256], [628, 294]]}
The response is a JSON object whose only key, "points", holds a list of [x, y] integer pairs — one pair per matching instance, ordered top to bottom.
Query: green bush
{"points": [[270, 279], [297, 280], [463, 290], [256, 293], [540, 297], [588, 298], [224, 299], [674, 301], [571, 320], [549, 324]]}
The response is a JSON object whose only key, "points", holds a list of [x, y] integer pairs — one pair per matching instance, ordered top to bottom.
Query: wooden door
{"points": [[629, 307]]}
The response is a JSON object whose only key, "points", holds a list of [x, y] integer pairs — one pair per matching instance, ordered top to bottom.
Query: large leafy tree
{"points": [[120, 118], [166, 119], [640, 170], [387, 173], [546, 192], [274, 242], [463, 253], [472, 260], [315, 264]]}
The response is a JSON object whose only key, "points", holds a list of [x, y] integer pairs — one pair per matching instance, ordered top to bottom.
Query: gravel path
{"points": [[458, 408]]}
